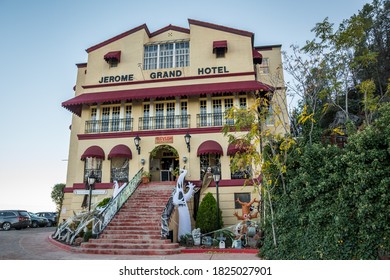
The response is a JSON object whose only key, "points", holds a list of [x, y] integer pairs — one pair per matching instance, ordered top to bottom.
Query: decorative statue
{"points": [[207, 179], [180, 199], [246, 210]]}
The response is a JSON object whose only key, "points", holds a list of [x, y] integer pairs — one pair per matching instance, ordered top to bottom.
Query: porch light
{"points": [[187, 138], [137, 139]]}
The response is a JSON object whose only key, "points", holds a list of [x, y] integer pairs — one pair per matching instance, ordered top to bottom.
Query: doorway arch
{"points": [[164, 163]]}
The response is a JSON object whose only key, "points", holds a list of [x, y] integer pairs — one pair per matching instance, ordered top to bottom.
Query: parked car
{"points": [[51, 216], [16, 219], [37, 221]]}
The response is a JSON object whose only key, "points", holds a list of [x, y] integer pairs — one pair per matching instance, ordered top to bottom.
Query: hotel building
{"points": [[158, 87]]}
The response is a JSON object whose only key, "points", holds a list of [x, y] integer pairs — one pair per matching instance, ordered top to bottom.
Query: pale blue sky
{"points": [[42, 40]]}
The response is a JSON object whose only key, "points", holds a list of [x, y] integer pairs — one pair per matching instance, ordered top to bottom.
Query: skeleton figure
{"points": [[180, 200]]}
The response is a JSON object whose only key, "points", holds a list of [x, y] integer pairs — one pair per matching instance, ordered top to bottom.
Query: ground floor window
{"points": [[209, 160], [93, 165], [120, 169], [242, 173]]}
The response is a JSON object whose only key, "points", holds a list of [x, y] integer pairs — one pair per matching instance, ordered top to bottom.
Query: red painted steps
{"points": [[136, 229]]}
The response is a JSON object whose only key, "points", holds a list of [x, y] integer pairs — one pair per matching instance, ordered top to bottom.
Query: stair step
{"points": [[136, 228], [131, 236], [138, 241], [130, 245], [131, 251]]}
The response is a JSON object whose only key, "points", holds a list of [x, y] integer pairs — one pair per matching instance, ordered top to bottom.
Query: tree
{"points": [[57, 195], [332, 202]]}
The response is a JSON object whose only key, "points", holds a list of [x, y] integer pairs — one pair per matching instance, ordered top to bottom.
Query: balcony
{"points": [[212, 119], [164, 122], [111, 125]]}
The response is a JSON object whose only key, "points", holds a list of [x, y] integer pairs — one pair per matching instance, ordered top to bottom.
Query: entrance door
{"points": [[165, 163], [168, 166]]}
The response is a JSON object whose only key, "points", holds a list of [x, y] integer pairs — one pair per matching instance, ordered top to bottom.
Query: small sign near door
{"points": [[163, 139]]}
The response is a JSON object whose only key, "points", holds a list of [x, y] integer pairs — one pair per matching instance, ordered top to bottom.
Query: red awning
{"points": [[220, 44], [115, 55], [257, 57], [75, 104], [210, 147], [236, 147], [93, 151], [121, 151]]}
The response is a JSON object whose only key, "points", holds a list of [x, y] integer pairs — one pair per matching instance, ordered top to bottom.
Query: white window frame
{"points": [[157, 56]]}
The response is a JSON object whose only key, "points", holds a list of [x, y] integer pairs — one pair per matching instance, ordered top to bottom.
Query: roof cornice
{"points": [[170, 27], [222, 28], [120, 36]]}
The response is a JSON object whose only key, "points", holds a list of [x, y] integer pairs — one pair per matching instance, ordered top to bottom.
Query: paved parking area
{"points": [[34, 244]]}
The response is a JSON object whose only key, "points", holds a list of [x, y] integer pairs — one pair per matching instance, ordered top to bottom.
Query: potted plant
{"points": [[145, 177]]}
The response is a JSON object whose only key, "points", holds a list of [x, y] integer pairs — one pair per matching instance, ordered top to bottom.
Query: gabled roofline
{"points": [[170, 27], [175, 28], [222, 28], [120, 36]]}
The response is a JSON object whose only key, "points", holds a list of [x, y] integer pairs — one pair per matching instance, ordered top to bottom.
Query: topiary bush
{"points": [[206, 218]]}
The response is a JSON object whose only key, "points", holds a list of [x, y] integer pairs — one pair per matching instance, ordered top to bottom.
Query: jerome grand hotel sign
{"points": [[163, 74]]}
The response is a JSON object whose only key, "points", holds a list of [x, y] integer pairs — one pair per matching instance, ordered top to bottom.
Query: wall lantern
{"points": [[187, 138], [136, 142], [185, 159], [142, 161]]}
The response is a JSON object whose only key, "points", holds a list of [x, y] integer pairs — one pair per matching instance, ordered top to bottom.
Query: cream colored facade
{"points": [[118, 98]]}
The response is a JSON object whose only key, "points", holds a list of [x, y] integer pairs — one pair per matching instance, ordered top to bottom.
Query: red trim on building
{"points": [[170, 27], [221, 28], [120, 36], [220, 44], [267, 48], [114, 55], [257, 57], [81, 65], [170, 80], [75, 104], [162, 132], [209, 147], [236, 147], [93, 151], [121, 151], [81, 186], [108, 186]]}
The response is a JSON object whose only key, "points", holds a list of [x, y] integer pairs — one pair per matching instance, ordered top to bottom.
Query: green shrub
{"points": [[336, 201], [206, 218]]}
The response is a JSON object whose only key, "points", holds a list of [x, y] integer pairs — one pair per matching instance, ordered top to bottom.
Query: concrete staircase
{"points": [[136, 229]]}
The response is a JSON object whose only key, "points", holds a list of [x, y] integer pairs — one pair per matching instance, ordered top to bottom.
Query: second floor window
{"points": [[167, 55], [264, 66]]}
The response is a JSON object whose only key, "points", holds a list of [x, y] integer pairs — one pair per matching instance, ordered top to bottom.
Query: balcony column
{"points": [[209, 105], [151, 108], [122, 110], [98, 112]]}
